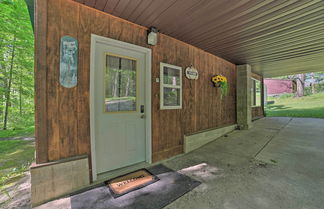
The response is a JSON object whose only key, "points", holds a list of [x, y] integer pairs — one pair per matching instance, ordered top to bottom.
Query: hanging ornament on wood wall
{"points": [[68, 62], [192, 73], [220, 81]]}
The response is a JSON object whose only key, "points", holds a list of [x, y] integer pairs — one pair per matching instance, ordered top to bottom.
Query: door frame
{"points": [[147, 76]]}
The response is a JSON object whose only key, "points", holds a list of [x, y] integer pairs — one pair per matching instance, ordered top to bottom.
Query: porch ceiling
{"points": [[275, 37]]}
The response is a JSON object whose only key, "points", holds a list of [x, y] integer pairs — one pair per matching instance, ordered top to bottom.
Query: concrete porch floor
{"points": [[279, 163], [234, 177]]}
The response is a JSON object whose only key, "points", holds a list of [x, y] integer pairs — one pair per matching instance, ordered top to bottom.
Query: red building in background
{"points": [[279, 86]]}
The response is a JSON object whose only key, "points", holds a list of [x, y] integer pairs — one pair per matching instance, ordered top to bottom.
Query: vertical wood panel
{"points": [[101, 26], [115, 28], [84, 34], [53, 61], [212, 65], [41, 81], [155, 94], [188, 96], [68, 106], [69, 115]]}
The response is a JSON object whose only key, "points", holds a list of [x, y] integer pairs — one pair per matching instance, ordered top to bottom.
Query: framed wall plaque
{"points": [[68, 62], [192, 73]]}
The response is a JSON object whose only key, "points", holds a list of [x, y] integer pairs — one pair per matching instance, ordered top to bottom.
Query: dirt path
{"points": [[25, 138], [17, 195]]}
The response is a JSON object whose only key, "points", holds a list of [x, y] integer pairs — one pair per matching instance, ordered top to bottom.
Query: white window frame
{"points": [[162, 85], [252, 92]]}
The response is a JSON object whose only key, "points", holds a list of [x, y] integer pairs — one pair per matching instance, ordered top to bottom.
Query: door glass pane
{"points": [[171, 76], [120, 84], [253, 92], [257, 93], [171, 96]]}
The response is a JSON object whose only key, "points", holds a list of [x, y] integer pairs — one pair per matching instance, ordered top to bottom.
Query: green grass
{"points": [[308, 106], [28, 131], [15, 158]]}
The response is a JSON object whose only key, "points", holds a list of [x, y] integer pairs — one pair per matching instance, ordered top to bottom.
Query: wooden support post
{"points": [[40, 81]]}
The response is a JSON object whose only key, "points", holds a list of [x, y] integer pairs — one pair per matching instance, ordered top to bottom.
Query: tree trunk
{"points": [[3, 82], [313, 83], [115, 84], [300, 85], [127, 87], [8, 90], [20, 93]]}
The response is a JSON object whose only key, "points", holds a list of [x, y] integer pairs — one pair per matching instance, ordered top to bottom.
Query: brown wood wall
{"points": [[258, 112], [68, 125]]}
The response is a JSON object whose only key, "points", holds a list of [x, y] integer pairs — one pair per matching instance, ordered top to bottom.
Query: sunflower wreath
{"points": [[221, 82]]}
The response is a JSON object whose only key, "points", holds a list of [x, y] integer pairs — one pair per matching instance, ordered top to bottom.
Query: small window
{"points": [[171, 86], [256, 93]]}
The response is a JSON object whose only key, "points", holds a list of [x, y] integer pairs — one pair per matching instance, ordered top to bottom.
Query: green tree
{"points": [[16, 65], [315, 78]]}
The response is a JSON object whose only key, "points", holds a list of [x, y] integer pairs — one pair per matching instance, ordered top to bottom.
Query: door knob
{"points": [[142, 116]]}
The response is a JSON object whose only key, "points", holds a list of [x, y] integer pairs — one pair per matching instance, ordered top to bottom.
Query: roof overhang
{"points": [[274, 37]]}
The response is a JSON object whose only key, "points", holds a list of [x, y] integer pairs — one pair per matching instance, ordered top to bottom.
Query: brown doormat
{"points": [[129, 182]]}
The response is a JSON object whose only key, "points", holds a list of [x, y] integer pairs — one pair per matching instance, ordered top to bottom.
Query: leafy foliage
{"points": [[16, 66], [318, 76], [308, 83]]}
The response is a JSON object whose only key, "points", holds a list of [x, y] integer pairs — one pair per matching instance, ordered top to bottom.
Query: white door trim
{"points": [[148, 125]]}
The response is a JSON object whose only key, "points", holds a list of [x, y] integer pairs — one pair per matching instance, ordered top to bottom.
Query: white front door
{"points": [[119, 106]]}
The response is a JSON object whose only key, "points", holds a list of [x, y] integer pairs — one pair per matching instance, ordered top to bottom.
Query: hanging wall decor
{"points": [[68, 62], [192, 73], [220, 81]]}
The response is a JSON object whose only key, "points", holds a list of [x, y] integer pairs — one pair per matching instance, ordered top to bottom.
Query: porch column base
{"points": [[245, 126], [55, 179]]}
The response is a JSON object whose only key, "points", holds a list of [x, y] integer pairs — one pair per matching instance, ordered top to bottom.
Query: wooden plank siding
{"points": [[41, 81], [68, 109], [258, 112]]}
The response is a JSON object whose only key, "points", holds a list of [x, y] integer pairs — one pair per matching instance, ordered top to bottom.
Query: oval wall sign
{"points": [[68, 62], [192, 73]]}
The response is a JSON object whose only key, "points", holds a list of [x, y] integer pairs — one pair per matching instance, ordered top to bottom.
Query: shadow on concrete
{"points": [[171, 186]]}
